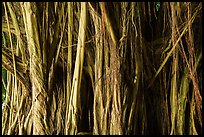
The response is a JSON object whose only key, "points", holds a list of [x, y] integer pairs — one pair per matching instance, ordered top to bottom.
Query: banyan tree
{"points": [[101, 68]]}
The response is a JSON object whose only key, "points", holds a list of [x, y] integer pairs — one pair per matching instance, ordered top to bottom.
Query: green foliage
{"points": [[157, 6], [4, 77]]}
